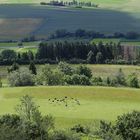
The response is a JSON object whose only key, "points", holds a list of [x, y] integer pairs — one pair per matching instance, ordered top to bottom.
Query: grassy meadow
{"points": [[115, 40], [32, 46], [96, 103]]}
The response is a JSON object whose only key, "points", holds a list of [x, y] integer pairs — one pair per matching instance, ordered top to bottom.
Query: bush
{"points": [[83, 70], [22, 77], [50, 77], [120, 77], [76, 79], [97, 81], [133, 81], [127, 127], [80, 129], [64, 135]]}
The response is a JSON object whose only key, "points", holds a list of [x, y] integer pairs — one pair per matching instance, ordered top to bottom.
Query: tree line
{"points": [[69, 3], [82, 33], [74, 52], [65, 74]]}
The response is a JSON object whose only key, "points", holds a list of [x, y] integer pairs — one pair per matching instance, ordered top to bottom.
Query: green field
{"points": [[115, 40], [32, 46], [96, 103]]}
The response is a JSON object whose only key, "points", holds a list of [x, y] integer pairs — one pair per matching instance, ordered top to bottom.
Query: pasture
{"points": [[43, 20], [115, 40], [26, 46], [95, 103]]}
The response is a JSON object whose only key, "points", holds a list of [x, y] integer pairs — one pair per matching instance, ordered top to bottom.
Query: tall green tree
{"points": [[32, 68]]}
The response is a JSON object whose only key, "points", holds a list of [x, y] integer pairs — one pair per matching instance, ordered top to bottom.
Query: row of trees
{"points": [[69, 3], [81, 33], [74, 52], [64, 74]]}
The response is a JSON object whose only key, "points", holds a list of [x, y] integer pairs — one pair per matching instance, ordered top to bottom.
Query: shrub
{"points": [[65, 68], [83, 70], [22, 77], [50, 77], [120, 77], [76, 79], [97, 81], [133, 81], [127, 127], [80, 129], [64, 135]]}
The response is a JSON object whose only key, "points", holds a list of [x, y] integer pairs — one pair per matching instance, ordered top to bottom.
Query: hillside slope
{"points": [[124, 5]]}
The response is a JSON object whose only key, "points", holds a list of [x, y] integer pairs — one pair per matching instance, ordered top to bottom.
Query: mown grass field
{"points": [[96, 103]]}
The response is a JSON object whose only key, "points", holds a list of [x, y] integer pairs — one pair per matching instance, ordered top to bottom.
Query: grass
{"points": [[105, 40], [115, 40], [32, 46], [96, 103]]}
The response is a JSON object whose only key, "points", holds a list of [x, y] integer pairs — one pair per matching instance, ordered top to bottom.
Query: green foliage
{"points": [[8, 55], [91, 58], [99, 58], [14, 67], [32, 68], [65, 68], [83, 70], [22, 77], [50, 77], [120, 77], [77, 79], [97, 81], [133, 81], [34, 125], [10, 127], [127, 127], [80, 129], [64, 135]]}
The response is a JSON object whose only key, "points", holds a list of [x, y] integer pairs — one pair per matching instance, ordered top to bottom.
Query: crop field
{"points": [[42, 20], [82, 104]]}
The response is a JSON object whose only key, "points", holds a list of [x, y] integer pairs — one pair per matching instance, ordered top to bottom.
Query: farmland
{"points": [[41, 21], [95, 102]]}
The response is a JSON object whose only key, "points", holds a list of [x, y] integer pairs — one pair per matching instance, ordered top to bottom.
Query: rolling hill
{"points": [[19, 20]]}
